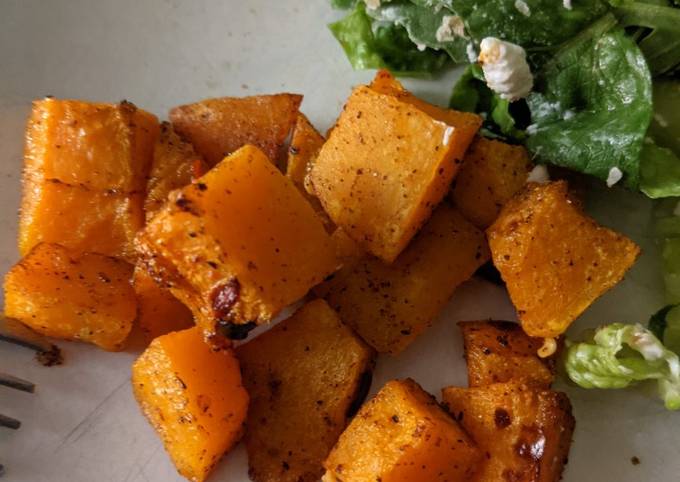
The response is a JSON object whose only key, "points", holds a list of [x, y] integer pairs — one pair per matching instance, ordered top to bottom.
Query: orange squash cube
{"points": [[218, 127], [103, 147], [173, 167], [385, 167], [492, 173], [78, 218], [238, 245], [554, 259], [61, 294], [389, 305], [159, 312], [500, 351], [305, 377], [192, 395], [524, 430], [402, 435]]}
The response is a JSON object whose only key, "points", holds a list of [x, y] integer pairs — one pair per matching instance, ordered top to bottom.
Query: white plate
{"points": [[82, 424]]}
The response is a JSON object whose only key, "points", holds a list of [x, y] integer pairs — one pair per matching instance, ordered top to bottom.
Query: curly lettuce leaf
{"points": [[343, 4], [373, 45], [594, 105], [667, 231], [665, 324], [619, 355]]}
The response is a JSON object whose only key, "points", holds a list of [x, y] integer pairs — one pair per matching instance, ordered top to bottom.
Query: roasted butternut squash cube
{"points": [[218, 127], [104, 147], [173, 167], [384, 168], [492, 173], [78, 218], [238, 245], [554, 259], [65, 295], [389, 305], [159, 312], [500, 351], [306, 377], [193, 397], [524, 430], [402, 435]]}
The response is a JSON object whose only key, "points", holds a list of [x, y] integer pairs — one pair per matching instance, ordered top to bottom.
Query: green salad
{"points": [[592, 86]]}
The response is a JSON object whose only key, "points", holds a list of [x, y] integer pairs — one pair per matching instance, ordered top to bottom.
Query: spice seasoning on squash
{"points": [[554, 259], [63, 294], [192, 395]]}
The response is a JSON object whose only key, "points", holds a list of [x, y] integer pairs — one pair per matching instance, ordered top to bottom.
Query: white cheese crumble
{"points": [[372, 4], [567, 4], [523, 8], [452, 26], [421, 47], [471, 52], [506, 69], [447, 135], [539, 174], [615, 175]]}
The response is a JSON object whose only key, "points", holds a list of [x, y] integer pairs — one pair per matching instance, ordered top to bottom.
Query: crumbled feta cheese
{"points": [[372, 4], [567, 4], [523, 8], [452, 26], [421, 47], [471, 52], [505, 68], [568, 114], [661, 120], [532, 129], [447, 135], [539, 174], [615, 175]]}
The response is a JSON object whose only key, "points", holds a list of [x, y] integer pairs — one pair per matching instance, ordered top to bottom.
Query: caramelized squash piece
{"points": [[218, 127], [103, 147], [173, 167], [384, 168], [492, 173], [78, 218], [238, 245], [554, 259], [84, 298], [389, 305], [159, 312], [500, 351], [305, 377], [192, 395], [524, 430], [402, 435]]}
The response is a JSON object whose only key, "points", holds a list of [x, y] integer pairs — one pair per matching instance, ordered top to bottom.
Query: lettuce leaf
{"points": [[373, 45], [594, 105], [665, 324], [619, 355]]}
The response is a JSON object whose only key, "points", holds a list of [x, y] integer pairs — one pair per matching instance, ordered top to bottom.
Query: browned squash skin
{"points": [[218, 127], [239, 244], [554, 259], [63, 294], [304, 377], [192, 395], [403, 435]]}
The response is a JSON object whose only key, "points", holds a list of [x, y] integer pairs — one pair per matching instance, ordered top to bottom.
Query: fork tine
{"points": [[13, 331], [16, 383], [9, 422]]}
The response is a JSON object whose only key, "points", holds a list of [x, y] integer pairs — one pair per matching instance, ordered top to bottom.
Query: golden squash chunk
{"points": [[218, 127], [97, 146], [173, 166], [383, 169], [492, 173], [78, 218], [238, 245], [554, 259], [61, 294], [389, 305], [159, 312], [500, 351], [305, 377], [193, 397], [524, 430], [402, 435]]}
